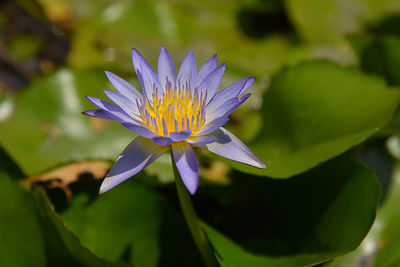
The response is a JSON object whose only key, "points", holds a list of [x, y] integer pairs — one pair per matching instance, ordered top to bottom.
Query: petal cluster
{"points": [[174, 111]]}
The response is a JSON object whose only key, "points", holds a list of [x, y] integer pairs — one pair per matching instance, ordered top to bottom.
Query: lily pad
{"points": [[315, 111], [306, 220], [122, 223], [62, 246], [380, 247]]}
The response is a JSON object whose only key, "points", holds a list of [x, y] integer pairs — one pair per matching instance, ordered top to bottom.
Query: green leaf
{"points": [[382, 56], [50, 111], [315, 111], [9, 167], [309, 219], [122, 223], [21, 234], [63, 247], [380, 247]]}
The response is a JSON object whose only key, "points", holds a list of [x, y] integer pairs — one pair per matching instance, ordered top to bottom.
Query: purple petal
{"points": [[136, 58], [166, 68], [206, 69], [187, 72], [150, 79], [211, 83], [249, 83], [123, 86], [231, 91], [123, 102], [235, 107], [227, 108], [112, 109], [221, 110], [103, 114], [213, 125], [140, 130], [180, 136], [162, 140], [201, 140], [229, 146], [135, 157], [186, 163]]}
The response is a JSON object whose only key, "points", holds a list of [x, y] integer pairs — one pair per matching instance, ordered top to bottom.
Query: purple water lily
{"points": [[174, 112]]}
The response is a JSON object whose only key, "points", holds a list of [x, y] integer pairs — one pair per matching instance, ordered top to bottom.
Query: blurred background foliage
{"points": [[324, 113]]}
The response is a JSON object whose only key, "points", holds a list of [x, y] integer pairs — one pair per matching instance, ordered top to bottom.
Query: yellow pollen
{"points": [[176, 109]]}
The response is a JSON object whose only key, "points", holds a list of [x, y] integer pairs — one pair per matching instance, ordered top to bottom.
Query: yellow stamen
{"points": [[176, 109]]}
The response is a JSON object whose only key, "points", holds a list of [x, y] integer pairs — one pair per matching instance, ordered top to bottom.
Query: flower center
{"points": [[175, 110]]}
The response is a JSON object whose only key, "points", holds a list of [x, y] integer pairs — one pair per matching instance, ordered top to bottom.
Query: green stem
{"points": [[200, 238]]}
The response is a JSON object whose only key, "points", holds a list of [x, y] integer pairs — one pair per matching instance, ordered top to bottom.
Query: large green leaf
{"points": [[315, 111], [47, 127], [311, 218], [122, 223], [21, 234], [62, 246], [381, 247]]}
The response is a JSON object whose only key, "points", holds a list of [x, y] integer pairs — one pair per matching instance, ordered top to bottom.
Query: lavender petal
{"points": [[136, 58], [166, 68], [206, 69], [187, 71], [150, 79], [211, 83], [124, 87], [233, 90], [123, 102], [227, 108], [112, 109], [103, 114], [213, 125], [140, 130], [179, 136], [162, 140], [201, 140], [229, 146], [135, 157], [187, 165]]}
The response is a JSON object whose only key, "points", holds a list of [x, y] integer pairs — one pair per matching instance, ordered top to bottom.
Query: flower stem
{"points": [[198, 234]]}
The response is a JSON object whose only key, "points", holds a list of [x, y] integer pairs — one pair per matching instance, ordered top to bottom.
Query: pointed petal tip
{"points": [[134, 50], [109, 74], [87, 112], [260, 165], [104, 187], [192, 190]]}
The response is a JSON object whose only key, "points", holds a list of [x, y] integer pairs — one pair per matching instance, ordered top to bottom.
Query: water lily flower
{"points": [[174, 111]]}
